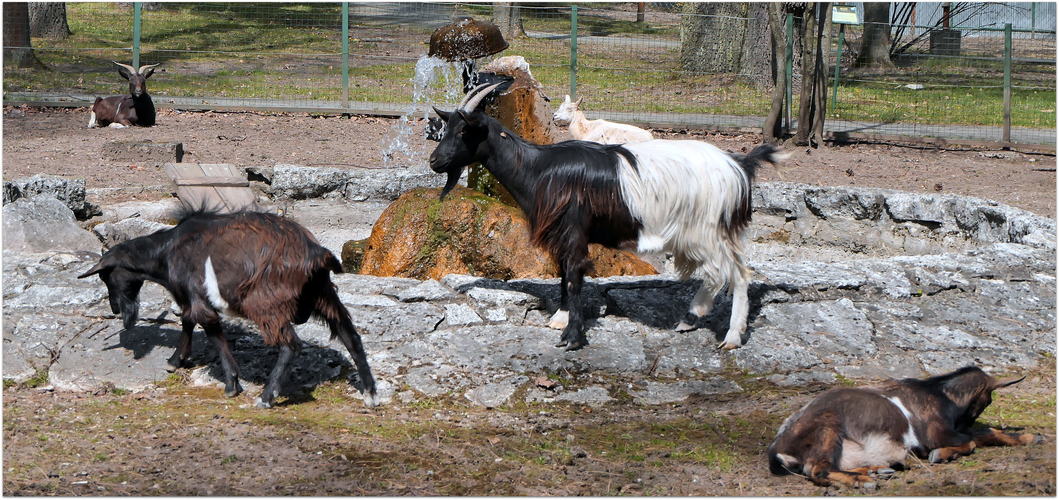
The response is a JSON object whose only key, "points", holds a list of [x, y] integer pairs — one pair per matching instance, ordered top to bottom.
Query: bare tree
{"points": [[48, 20], [875, 45], [18, 51], [773, 128]]}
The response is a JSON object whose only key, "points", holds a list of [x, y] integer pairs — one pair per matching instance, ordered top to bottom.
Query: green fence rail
{"points": [[665, 69]]}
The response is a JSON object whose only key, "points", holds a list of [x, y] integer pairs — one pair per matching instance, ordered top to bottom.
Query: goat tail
{"points": [[763, 153], [331, 309]]}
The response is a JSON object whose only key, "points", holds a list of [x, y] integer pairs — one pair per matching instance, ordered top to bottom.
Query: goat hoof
{"points": [[684, 327], [576, 345], [727, 346], [233, 391], [370, 399], [260, 403], [1031, 439], [935, 457], [885, 472]]}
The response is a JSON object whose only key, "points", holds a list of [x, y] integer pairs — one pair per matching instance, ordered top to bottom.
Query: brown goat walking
{"points": [[119, 111], [259, 266], [844, 433]]}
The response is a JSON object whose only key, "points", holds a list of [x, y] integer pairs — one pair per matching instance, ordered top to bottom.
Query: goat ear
{"points": [[125, 70], [443, 114], [94, 270], [1005, 383]]}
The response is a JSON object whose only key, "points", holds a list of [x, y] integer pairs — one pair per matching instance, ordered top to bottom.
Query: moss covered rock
{"points": [[418, 236]]}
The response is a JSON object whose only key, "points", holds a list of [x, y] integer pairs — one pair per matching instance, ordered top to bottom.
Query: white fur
{"points": [[92, 120], [116, 125], [601, 131], [684, 193], [213, 292], [559, 320], [909, 437], [872, 450]]}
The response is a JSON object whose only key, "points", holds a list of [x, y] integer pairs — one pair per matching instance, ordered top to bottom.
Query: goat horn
{"points": [[126, 66], [147, 66], [478, 94], [95, 269]]}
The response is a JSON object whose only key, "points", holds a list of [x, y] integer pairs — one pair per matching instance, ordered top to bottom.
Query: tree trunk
{"points": [[640, 7], [508, 17], [48, 20], [727, 38], [710, 40], [875, 46], [18, 51], [812, 99], [772, 130]]}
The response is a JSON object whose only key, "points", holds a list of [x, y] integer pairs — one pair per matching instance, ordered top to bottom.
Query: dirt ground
{"points": [[55, 141], [179, 440], [182, 440]]}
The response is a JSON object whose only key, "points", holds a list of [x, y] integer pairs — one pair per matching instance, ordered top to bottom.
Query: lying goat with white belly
{"points": [[845, 433]]}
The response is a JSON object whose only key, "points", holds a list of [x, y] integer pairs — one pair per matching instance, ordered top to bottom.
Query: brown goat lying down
{"points": [[259, 266], [844, 433]]}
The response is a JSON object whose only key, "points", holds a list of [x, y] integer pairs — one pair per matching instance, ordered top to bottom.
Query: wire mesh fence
{"points": [[667, 64]]}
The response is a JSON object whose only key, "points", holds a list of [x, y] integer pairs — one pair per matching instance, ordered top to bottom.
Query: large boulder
{"points": [[69, 191], [44, 224], [420, 237]]}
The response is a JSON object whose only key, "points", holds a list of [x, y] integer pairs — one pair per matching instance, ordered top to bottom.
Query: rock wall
{"points": [[920, 284]]}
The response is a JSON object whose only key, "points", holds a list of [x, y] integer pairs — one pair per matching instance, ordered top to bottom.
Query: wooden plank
{"points": [[212, 181], [216, 186]]}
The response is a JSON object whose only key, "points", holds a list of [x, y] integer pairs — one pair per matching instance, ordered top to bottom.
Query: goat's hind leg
{"points": [[740, 284], [331, 309], [573, 337], [179, 359], [231, 369], [275, 378]]}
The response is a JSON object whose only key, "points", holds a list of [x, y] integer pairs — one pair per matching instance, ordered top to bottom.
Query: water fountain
{"points": [[448, 68]]}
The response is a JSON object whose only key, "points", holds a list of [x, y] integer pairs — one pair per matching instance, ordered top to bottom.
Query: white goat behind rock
{"points": [[601, 131]]}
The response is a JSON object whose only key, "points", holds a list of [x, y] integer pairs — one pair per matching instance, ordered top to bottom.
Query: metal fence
{"points": [[304, 57]]}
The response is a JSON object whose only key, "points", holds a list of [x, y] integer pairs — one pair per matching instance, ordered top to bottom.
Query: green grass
{"points": [[290, 51]]}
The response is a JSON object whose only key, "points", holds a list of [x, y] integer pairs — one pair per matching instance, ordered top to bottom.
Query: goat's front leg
{"points": [[92, 120], [574, 268], [701, 304], [562, 316], [179, 359], [231, 369], [275, 379], [996, 437]]}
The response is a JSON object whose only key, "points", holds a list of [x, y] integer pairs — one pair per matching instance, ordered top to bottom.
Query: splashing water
{"points": [[436, 82]]}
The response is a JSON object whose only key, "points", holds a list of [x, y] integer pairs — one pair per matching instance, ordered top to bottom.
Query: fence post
{"points": [[136, 10], [1033, 20], [573, 52], [345, 56], [838, 64], [790, 70], [1007, 84]]}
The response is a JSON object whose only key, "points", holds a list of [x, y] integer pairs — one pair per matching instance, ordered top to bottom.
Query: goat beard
{"points": [[454, 177]]}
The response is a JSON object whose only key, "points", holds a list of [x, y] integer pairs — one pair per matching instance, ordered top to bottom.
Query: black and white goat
{"points": [[120, 111], [684, 197], [259, 266], [844, 433]]}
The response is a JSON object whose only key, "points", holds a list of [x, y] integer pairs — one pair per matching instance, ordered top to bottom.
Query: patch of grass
{"points": [[39, 379]]}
